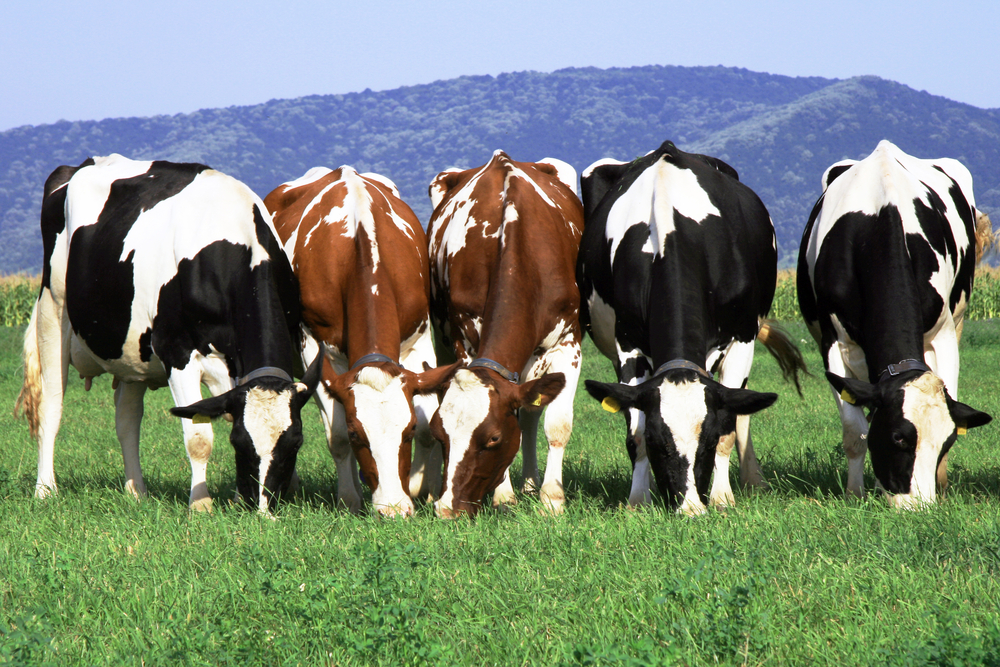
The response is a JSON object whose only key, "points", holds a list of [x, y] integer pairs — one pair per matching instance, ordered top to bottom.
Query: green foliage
{"points": [[17, 298], [785, 305], [792, 575]]}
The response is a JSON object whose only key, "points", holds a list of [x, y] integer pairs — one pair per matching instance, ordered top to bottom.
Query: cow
{"points": [[503, 241], [360, 256], [677, 270], [885, 271], [168, 274]]}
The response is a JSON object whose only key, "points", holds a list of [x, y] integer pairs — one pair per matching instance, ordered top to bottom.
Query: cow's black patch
{"points": [[835, 172], [53, 219], [99, 284], [706, 287]]}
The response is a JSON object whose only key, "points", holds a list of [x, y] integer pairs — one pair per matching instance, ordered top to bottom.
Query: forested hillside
{"points": [[779, 132]]}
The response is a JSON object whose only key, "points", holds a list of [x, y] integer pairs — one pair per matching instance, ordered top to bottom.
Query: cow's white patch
{"points": [[600, 163], [564, 172], [310, 176], [891, 178], [387, 182], [676, 190], [602, 325], [464, 407], [926, 407], [683, 410], [384, 413], [266, 415]]}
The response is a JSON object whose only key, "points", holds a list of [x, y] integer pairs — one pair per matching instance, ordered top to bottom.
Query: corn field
{"points": [[18, 293], [17, 297], [984, 304]]}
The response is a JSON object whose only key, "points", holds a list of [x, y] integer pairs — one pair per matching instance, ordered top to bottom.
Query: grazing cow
{"points": [[503, 243], [360, 255], [677, 270], [885, 272], [168, 275]]}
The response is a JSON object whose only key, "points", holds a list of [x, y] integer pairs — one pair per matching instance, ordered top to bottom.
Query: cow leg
{"points": [[46, 352], [942, 356], [734, 373], [185, 385], [128, 419], [528, 421], [559, 422], [854, 426], [427, 468], [641, 472], [348, 483], [504, 493]]}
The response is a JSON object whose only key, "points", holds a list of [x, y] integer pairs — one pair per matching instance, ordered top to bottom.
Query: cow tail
{"points": [[985, 237], [785, 352], [31, 391]]}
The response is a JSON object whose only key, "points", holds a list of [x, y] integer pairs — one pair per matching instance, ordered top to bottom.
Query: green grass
{"points": [[791, 576]]}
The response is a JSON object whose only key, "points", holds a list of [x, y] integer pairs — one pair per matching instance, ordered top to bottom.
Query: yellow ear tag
{"points": [[846, 397], [538, 401], [611, 405], [201, 419], [962, 429]]}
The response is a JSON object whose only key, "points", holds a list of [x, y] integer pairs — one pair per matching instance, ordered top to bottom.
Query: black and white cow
{"points": [[677, 270], [885, 272], [168, 275]]}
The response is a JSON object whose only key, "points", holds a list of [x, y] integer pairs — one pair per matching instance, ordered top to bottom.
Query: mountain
{"points": [[779, 132]]}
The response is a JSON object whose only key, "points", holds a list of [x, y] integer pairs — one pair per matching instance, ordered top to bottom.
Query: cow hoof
{"points": [[754, 482], [530, 487], [42, 491], [137, 491], [553, 498], [501, 500], [722, 500], [201, 505], [352, 505]]}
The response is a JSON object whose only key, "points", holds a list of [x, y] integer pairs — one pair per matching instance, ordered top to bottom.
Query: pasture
{"points": [[792, 576]]}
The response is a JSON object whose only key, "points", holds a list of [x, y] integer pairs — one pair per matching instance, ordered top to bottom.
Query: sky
{"points": [[91, 60]]}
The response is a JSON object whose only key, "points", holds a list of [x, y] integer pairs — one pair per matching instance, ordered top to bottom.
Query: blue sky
{"points": [[93, 60]]}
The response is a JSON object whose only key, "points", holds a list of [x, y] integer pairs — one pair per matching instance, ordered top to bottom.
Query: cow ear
{"points": [[433, 378], [310, 379], [855, 392], [539, 393], [613, 396], [746, 401], [208, 408], [967, 417]]}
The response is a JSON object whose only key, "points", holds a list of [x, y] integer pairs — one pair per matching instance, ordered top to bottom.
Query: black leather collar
{"points": [[372, 359], [483, 362], [685, 364], [903, 366], [264, 371]]}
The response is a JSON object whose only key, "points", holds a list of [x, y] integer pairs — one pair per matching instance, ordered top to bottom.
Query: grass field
{"points": [[792, 576]]}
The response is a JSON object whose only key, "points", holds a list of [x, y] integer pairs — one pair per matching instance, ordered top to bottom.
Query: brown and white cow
{"points": [[503, 244], [360, 256]]}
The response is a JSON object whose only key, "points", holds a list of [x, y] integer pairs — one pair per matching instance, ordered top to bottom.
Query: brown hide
{"points": [[515, 274], [358, 297]]}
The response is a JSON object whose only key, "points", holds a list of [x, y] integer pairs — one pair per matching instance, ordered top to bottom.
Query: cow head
{"points": [[378, 401], [689, 419], [913, 425], [478, 429], [267, 431]]}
